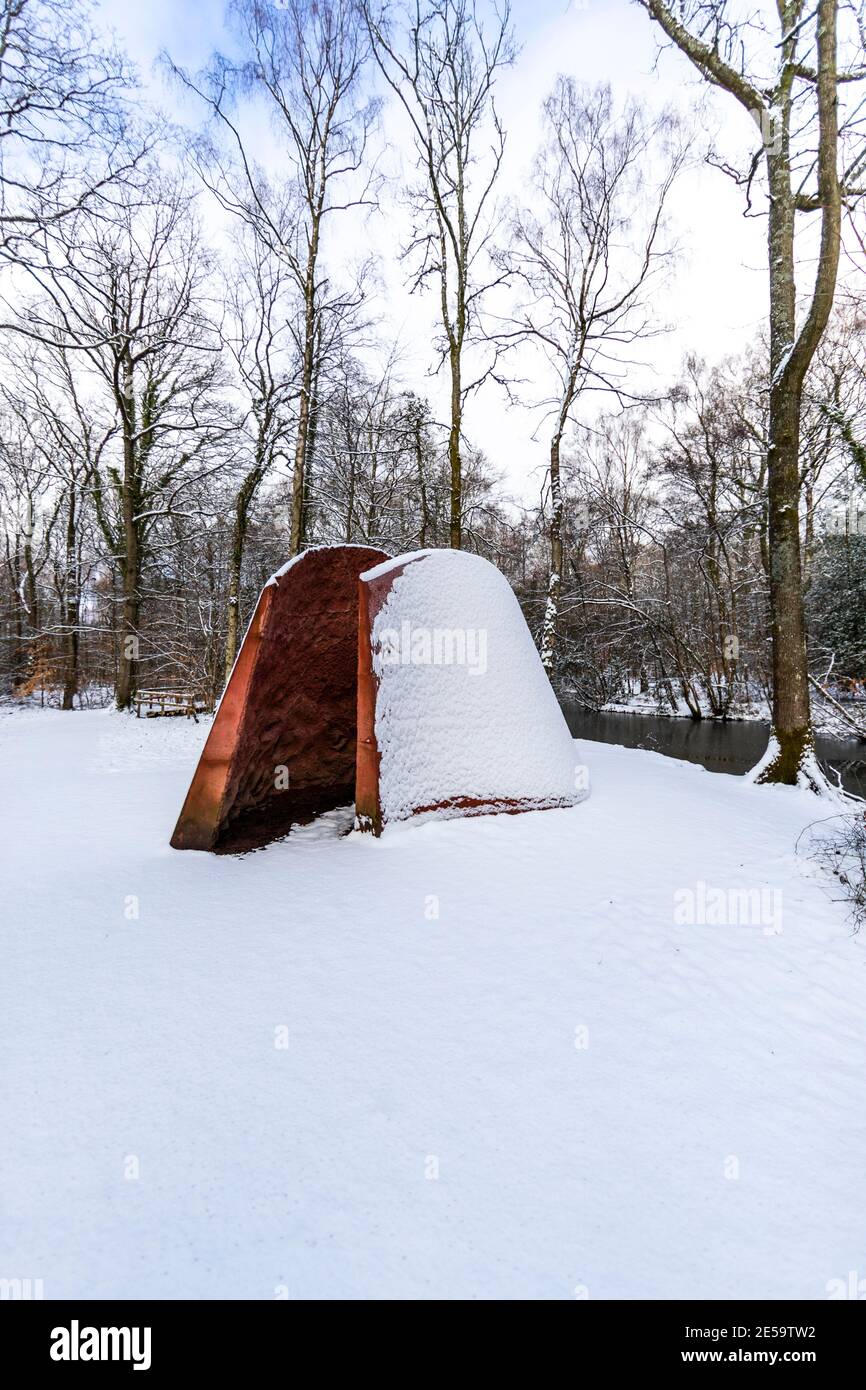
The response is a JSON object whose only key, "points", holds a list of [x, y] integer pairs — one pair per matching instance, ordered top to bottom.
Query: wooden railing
{"points": [[191, 703]]}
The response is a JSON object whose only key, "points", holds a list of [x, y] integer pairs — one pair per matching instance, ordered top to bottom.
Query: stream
{"points": [[732, 747]]}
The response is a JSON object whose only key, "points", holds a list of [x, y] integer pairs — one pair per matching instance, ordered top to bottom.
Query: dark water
{"points": [[732, 747]]}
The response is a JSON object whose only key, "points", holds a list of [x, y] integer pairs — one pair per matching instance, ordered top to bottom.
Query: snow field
{"points": [[477, 1058]]}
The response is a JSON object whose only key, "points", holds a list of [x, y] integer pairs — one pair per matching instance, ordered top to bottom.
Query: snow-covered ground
{"points": [[479, 1058]]}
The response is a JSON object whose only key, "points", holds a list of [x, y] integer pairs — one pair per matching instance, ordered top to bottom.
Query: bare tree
{"points": [[306, 57], [442, 61], [794, 97], [63, 117], [585, 253], [125, 293], [256, 333], [45, 393], [705, 464], [27, 522]]}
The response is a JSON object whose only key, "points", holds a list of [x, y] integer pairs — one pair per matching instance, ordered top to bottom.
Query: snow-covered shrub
{"points": [[838, 846]]}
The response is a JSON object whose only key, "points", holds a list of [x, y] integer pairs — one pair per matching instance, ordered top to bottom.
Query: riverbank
{"points": [[826, 719], [734, 746]]}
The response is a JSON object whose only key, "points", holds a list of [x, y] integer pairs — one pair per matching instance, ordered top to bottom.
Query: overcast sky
{"points": [[717, 299]]}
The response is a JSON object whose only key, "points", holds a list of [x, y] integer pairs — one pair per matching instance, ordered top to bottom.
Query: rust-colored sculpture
{"points": [[411, 687], [282, 746]]}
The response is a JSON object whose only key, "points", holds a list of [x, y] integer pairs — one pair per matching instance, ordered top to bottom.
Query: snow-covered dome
{"points": [[456, 714]]}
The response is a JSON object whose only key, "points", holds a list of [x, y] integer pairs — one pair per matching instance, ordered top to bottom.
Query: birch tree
{"points": [[305, 59], [441, 60], [789, 80], [586, 253], [256, 334]]}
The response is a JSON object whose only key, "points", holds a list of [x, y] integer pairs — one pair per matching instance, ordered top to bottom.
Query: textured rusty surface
{"points": [[291, 703], [199, 822]]}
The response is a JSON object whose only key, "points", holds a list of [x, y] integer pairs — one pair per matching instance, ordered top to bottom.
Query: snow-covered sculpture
{"points": [[411, 686], [456, 715], [282, 746]]}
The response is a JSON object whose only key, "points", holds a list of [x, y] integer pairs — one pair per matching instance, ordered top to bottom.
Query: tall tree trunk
{"points": [[790, 356], [308, 372], [310, 450], [299, 474], [422, 485], [350, 501], [243, 502], [372, 512], [455, 531], [31, 593], [71, 605], [550, 633], [19, 648], [128, 664], [127, 674], [791, 710], [789, 757]]}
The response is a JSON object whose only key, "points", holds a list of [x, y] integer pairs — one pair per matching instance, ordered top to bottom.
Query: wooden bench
{"points": [[156, 703]]}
